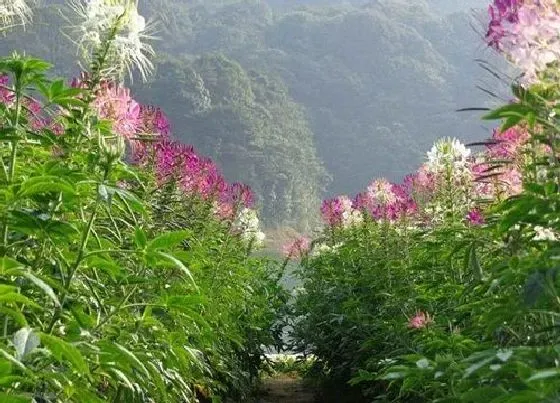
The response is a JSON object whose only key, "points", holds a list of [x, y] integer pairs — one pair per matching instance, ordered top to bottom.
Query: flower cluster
{"points": [[13, 12], [117, 24], [527, 32], [6, 95], [114, 103], [32, 109], [147, 131], [448, 154], [497, 171], [451, 182], [385, 200], [339, 211], [246, 224], [544, 234], [297, 248], [420, 320]]}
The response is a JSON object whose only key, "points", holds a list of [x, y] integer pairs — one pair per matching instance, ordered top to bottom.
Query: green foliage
{"points": [[113, 288], [485, 297]]}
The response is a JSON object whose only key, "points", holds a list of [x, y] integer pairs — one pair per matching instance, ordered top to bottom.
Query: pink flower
{"points": [[527, 33], [6, 96], [114, 103], [153, 121], [58, 129], [507, 144], [512, 180], [238, 194], [387, 201], [224, 211], [335, 211], [475, 217], [297, 248], [420, 320]]}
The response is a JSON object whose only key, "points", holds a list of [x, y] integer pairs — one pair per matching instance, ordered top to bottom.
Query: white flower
{"points": [[13, 12], [116, 24], [448, 153], [542, 174], [381, 191], [352, 217], [246, 225], [544, 234], [322, 249]]}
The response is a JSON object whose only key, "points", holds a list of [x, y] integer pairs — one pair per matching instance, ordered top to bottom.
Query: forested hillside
{"points": [[285, 95]]}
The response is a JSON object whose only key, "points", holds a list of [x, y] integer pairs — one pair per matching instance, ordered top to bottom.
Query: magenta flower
{"points": [[501, 13], [527, 33], [6, 95], [115, 103], [153, 121], [57, 128], [507, 144], [238, 194], [387, 201], [336, 211], [475, 217], [420, 320]]}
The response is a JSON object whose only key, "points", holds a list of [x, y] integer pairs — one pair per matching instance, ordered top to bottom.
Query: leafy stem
{"points": [[82, 251]]}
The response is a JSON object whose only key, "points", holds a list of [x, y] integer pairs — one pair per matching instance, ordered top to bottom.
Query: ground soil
{"points": [[283, 388]]}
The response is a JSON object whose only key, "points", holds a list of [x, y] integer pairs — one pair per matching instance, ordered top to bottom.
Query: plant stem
{"points": [[13, 159], [81, 252]]}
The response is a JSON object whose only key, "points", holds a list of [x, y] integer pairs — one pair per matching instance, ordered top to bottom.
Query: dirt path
{"points": [[284, 389]]}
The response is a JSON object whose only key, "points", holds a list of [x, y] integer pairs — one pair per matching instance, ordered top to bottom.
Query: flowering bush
{"points": [[125, 267], [446, 289]]}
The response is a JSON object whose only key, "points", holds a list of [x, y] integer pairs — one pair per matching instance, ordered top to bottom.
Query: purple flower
{"points": [[475, 217]]}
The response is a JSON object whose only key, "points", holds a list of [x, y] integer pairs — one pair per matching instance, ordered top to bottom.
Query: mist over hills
{"points": [[307, 99]]}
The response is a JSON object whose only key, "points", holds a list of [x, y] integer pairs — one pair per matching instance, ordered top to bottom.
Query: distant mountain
{"points": [[441, 6]]}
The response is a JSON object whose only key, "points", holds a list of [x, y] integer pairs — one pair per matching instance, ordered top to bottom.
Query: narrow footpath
{"points": [[285, 389]]}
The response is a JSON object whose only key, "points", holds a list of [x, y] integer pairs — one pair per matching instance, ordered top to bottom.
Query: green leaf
{"points": [[56, 87], [506, 111], [511, 122], [45, 184], [130, 199], [140, 238], [168, 240], [177, 263], [474, 263], [7, 265], [109, 266], [43, 286], [5, 288], [13, 297], [16, 315], [65, 352], [120, 354], [504, 355], [12, 359], [476, 366], [5, 368], [544, 374], [122, 376], [392, 376], [484, 394], [86, 396], [8, 398]]}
